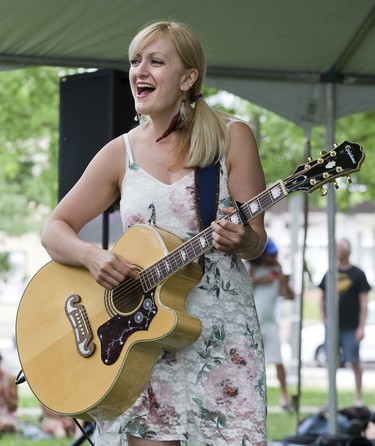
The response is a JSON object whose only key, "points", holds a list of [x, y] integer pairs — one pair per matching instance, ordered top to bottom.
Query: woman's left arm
{"points": [[245, 181]]}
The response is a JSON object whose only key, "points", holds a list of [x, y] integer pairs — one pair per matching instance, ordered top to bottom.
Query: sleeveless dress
{"points": [[213, 391]]}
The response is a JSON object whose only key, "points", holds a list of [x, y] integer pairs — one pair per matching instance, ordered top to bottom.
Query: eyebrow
{"points": [[157, 53], [153, 54]]}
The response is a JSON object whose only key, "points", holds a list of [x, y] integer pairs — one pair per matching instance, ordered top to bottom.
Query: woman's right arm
{"points": [[96, 190]]}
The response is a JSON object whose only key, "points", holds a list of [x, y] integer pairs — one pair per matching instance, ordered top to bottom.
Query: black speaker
{"points": [[94, 108]]}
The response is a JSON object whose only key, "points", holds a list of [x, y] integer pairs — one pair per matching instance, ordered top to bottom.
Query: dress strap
{"points": [[128, 151]]}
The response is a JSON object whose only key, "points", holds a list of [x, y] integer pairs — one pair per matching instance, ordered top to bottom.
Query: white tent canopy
{"points": [[254, 48]]}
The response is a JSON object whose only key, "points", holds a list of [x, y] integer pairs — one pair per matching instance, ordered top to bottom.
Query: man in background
{"points": [[353, 288]]}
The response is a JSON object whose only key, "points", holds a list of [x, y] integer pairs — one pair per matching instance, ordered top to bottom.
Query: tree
{"points": [[29, 132], [28, 141], [5, 265]]}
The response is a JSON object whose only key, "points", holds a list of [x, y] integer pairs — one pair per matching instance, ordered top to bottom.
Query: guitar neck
{"points": [[161, 270]]}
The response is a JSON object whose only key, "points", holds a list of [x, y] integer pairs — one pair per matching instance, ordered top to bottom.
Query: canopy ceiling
{"points": [[277, 53]]}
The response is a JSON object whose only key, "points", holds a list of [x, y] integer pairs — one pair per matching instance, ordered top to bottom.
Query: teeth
{"points": [[144, 85]]}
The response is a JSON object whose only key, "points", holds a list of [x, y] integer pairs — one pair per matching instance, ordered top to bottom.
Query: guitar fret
{"points": [[277, 192], [264, 201], [255, 207], [235, 218], [204, 241], [191, 247], [183, 255], [176, 259], [168, 266], [144, 278]]}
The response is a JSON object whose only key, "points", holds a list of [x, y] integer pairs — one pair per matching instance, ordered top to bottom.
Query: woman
{"points": [[214, 390]]}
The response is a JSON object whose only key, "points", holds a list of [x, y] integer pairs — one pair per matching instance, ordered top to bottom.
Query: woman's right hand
{"points": [[109, 268]]}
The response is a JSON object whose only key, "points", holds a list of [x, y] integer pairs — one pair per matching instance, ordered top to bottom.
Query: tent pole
{"points": [[299, 282], [331, 292]]}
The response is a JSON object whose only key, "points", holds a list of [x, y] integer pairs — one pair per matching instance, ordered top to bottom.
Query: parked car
{"points": [[312, 341]]}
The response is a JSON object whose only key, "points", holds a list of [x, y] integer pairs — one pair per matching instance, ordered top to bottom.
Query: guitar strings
{"points": [[131, 285]]}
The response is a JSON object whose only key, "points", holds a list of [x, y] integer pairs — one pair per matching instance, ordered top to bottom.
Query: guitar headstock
{"points": [[340, 161]]}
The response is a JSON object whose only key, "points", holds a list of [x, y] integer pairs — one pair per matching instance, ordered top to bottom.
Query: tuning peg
{"points": [[334, 146], [323, 152], [307, 166], [349, 179], [335, 184], [323, 191]]}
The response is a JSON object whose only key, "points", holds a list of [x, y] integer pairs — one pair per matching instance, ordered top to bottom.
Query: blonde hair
{"points": [[204, 134]]}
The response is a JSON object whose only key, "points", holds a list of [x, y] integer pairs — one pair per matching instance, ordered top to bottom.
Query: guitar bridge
{"points": [[77, 316]]}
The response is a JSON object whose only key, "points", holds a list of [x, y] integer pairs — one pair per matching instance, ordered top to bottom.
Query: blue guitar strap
{"points": [[207, 194], [206, 197]]}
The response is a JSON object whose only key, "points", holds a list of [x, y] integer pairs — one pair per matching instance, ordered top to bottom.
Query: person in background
{"points": [[269, 284], [353, 288], [212, 391], [8, 400], [58, 426]]}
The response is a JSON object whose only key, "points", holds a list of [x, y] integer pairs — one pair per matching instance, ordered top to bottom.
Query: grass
{"points": [[27, 401], [279, 424], [19, 440]]}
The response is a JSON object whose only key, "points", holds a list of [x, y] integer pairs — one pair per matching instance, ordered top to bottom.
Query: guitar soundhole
{"points": [[125, 299], [128, 301]]}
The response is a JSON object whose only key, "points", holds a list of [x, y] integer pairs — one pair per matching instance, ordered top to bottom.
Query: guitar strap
{"points": [[206, 196]]}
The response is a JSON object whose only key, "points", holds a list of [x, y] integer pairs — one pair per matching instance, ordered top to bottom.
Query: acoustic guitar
{"points": [[85, 349]]}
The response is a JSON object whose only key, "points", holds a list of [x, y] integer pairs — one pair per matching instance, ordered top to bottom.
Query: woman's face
{"points": [[157, 78]]}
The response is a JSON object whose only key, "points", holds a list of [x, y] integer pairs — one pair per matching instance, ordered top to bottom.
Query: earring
{"points": [[182, 113], [141, 119], [178, 120]]}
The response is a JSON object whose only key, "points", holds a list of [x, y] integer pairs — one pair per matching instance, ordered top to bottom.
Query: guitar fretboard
{"points": [[156, 273]]}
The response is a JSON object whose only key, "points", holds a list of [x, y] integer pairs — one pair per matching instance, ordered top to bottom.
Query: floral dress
{"points": [[213, 391]]}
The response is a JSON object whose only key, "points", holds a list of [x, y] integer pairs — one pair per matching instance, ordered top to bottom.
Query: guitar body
{"points": [[83, 348]]}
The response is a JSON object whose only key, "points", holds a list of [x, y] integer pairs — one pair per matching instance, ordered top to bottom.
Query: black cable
{"points": [[20, 379], [86, 432]]}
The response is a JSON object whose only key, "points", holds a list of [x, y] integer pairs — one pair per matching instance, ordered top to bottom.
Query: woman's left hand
{"points": [[234, 238]]}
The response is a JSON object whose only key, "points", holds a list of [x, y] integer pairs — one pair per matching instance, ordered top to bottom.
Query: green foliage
{"points": [[29, 132], [28, 142], [5, 265]]}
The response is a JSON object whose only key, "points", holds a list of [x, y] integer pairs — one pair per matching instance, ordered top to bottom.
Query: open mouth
{"points": [[144, 89]]}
